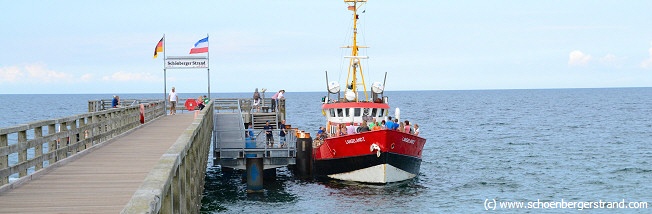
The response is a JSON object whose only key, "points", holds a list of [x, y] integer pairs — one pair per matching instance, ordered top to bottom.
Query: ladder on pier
{"points": [[258, 120]]}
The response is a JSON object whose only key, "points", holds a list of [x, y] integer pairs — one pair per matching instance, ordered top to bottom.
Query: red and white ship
{"points": [[375, 156]]}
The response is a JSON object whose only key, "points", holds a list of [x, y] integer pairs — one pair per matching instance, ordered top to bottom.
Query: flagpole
{"points": [[208, 68], [165, 79]]}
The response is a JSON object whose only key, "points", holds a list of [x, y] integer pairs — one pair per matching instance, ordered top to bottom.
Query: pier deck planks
{"points": [[102, 181]]}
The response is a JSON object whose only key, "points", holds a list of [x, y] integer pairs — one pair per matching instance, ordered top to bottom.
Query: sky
{"points": [[80, 47]]}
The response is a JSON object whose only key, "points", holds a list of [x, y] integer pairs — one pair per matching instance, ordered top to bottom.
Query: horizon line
{"points": [[230, 92]]}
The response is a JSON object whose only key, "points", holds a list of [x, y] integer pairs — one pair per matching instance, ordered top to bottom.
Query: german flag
{"points": [[159, 47]]}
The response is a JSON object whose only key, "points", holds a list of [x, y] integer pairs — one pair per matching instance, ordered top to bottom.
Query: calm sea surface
{"points": [[580, 145]]}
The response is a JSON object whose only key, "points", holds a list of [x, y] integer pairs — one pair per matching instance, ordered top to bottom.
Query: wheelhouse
{"points": [[356, 112]]}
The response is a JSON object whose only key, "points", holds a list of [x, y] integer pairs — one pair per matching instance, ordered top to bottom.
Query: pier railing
{"points": [[27, 149], [176, 183]]}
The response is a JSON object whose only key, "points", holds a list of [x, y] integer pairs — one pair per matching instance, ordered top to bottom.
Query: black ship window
{"points": [[332, 112], [339, 112], [346, 112], [356, 112], [373, 112], [382, 112]]}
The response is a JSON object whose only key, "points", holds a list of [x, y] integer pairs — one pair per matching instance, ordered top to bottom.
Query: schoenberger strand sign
{"points": [[186, 62]]}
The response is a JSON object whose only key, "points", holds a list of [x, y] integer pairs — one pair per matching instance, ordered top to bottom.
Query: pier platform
{"points": [[103, 182]]}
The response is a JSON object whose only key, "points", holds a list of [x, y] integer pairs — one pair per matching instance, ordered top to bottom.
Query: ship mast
{"points": [[355, 67]]}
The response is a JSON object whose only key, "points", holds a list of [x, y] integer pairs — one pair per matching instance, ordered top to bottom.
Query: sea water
{"points": [[484, 148]]}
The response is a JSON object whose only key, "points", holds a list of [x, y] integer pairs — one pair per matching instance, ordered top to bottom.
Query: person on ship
{"points": [[390, 123], [372, 124], [396, 124], [363, 127], [377, 127], [401, 127], [407, 127], [350, 129], [416, 129], [342, 130], [321, 134]]}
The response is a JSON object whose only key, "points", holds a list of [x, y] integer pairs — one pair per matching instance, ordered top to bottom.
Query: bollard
{"points": [[304, 154], [254, 175]]}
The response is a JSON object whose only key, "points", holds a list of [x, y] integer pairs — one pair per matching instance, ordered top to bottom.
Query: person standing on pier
{"points": [[277, 96], [173, 98], [115, 102], [256, 102], [268, 133], [282, 133]]}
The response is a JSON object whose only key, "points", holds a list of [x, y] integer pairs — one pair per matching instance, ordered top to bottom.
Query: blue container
{"points": [[250, 143]]}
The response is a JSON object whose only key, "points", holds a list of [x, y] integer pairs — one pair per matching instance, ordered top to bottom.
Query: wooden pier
{"points": [[108, 161], [156, 167]]}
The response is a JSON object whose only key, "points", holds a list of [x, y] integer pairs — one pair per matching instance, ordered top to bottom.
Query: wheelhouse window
{"points": [[332, 112], [340, 112], [346, 112], [356, 112], [373, 112], [382, 112]]}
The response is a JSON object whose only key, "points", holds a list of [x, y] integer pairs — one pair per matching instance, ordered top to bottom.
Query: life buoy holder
{"points": [[375, 147]]}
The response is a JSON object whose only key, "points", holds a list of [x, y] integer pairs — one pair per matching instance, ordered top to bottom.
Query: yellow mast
{"points": [[355, 66]]}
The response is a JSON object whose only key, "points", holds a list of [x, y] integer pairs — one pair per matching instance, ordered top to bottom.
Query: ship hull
{"points": [[382, 156]]}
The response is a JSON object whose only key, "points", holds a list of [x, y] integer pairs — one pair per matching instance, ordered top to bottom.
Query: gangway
{"points": [[232, 145]]}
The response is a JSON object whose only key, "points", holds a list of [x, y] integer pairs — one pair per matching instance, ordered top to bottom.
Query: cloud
{"points": [[577, 58], [612, 60], [648, 62], [33, 73], [39, 73], [10, 74], [122, 76], [86, 77]]}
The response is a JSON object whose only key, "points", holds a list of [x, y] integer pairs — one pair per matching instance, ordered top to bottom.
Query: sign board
{"points": [[186, 62]]}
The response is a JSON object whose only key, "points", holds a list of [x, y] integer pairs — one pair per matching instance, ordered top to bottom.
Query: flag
{"points": [[351, 8], [159, 47], [200, 47]]}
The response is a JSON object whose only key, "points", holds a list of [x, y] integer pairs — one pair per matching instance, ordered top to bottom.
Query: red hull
{"points": [[361, 144], [381, 156]]}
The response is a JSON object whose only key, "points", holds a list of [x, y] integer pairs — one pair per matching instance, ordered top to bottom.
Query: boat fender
{"points": [[376, 148]]}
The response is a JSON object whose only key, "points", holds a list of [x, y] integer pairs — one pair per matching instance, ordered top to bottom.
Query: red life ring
{"points": [[190, 104]]}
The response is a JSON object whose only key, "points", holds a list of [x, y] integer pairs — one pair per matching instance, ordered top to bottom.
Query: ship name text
{"points": [[355, 140], [408, 140]]}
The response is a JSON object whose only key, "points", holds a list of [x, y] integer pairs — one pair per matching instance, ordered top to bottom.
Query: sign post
{"points": [[187, 62]]}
